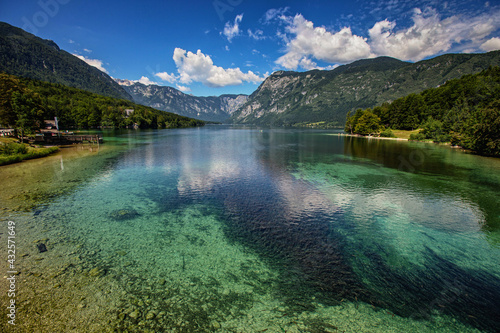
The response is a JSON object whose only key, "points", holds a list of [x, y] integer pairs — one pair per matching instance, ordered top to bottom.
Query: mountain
{"points": [[23, 54], [294, 99], [35, 101], [213, 108]]}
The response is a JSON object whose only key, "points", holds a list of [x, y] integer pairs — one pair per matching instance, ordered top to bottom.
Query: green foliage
{"points": [[23, 54], [26, 103], [27, 111], [464, 111], [363, 122], [368, 123], [433, 130], [480, 130], [387, 133], [417, 137], [13, 148], [16, 152]]}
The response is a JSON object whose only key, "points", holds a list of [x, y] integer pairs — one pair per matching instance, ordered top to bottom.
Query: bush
{"points": [[433, 129], [387, 133], [417, 137], [13, 148], [14, 152], [8, 159]]}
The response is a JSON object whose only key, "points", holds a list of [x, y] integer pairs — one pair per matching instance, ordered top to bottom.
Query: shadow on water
{"points": [[301, 234], [302, 247], [441, 287]]}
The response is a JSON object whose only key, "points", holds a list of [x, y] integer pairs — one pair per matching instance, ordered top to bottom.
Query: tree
{"points": [[8, 85], [415, 111], [383, 113], [29, 115], [368, 123], [349, 124], [433, 129], [483, 132]]}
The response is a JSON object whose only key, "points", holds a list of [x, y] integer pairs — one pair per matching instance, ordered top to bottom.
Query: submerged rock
{"points": [[123, 214], [41, 247], [95, 272], [134, 314], [150, 315]]}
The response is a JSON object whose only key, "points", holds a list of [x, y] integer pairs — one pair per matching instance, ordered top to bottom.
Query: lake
{"points": [[249, 230]]}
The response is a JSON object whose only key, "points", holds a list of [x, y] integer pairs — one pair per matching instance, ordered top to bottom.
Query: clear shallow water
{"points": [[243, 230]]}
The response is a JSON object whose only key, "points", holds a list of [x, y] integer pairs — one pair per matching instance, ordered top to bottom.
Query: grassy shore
{"points": [[404, 134], [398, 135], [13, 152]]}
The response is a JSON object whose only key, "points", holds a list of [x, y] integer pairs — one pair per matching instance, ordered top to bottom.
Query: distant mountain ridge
{"points": [[23, 54], [293, 98], [212, 108]]}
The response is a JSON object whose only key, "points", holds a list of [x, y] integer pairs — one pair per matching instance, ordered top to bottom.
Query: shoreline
{"points": [[369, 137], [447, 144], [33, 153]]}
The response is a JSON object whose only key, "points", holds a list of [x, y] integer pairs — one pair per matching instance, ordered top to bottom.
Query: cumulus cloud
{"points": [[231, 31], [429, 34], [491, 45], [339, 47], [92, 62], [308, 65], [199, 67], [171, 78], [146, 81], [183, 88]]}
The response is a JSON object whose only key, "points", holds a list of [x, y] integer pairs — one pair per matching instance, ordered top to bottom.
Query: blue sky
{"points": [[215, 47]]}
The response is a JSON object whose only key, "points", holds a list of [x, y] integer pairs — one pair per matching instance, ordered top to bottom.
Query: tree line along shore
{"points": [[464, 112]]}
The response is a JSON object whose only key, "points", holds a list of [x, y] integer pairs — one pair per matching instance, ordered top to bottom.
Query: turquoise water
{"points": [[247, 230]]}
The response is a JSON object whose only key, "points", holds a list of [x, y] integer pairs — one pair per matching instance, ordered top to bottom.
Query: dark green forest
{"points": [[25, 55], [25, 103], [465, 112]]}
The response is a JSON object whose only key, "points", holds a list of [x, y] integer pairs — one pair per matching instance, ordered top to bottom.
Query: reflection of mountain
{"points": [[285, 220], [335, 223], [414, 233]]}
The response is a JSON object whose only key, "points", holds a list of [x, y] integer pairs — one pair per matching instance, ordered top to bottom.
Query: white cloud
{"points": [[273, 13], [231, 31], [257, 35], [430, 35], [491, 45], [339, 47], [87, 50], [92, 62], [308, 65], [199, 67], [171, 78], [146, 81], [183, 88]]}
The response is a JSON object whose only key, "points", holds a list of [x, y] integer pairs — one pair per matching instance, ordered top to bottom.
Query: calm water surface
{"points": [[247, 230]]}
